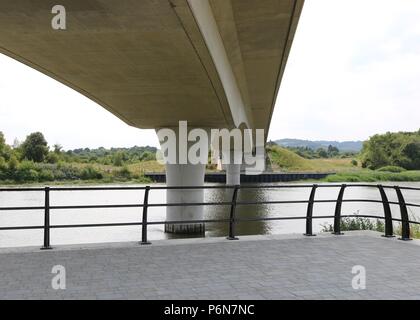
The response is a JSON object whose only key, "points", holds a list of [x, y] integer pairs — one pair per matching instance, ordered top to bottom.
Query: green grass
{"points": [[287, 161], [373, 176], [359, 223]]}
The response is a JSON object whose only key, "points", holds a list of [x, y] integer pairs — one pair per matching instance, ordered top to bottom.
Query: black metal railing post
{"points": [[309, 212], [337, 214], [232, 215], [144, 220], [405, 224], [389, 232], [47, 245]]}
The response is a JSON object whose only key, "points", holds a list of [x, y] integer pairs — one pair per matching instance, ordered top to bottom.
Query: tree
{"points": [[2, 143], [16, 143], [35, 147], [57, 148], [392, 149], [5, 150], [333, 151], [322, 153], [118, 159], [13, 163]]}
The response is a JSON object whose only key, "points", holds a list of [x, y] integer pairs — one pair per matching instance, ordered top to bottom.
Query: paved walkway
{"points": [[261, 267]]}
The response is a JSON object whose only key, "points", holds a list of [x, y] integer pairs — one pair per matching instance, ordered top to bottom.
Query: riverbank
{"points": [[287, 164], [359, 176], [373, 176]]}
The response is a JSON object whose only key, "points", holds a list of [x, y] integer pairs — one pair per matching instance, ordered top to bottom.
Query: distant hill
{"points": [[354, 146]]}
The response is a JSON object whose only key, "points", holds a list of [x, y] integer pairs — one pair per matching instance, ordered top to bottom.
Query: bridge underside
{"points": [[147, 61], [152, 63]]}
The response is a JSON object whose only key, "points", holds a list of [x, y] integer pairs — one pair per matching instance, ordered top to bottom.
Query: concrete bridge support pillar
{"points": [[183, 170], [233, 170], [233, 174], [185, 175]]}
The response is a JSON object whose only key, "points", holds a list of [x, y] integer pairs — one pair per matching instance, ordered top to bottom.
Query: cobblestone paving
{"points": [[297, 268]]}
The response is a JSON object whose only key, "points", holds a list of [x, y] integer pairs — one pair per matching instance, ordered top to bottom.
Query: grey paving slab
{"points": [[273, 267]]}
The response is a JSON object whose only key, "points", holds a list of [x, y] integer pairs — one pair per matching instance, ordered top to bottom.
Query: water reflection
{"points": [[242, 212]]}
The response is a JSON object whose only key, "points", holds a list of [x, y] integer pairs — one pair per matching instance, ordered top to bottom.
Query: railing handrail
{"points": [[244, 186], [232, 220]]}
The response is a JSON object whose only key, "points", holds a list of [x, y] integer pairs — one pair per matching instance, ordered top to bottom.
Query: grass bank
{"points": [[285, 160], [30, 173], [373, 176]]}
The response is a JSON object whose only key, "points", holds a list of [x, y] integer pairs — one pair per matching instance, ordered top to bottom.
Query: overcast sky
{"points": [[354, 70]]}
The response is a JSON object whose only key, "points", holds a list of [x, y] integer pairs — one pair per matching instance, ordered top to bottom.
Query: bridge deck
{"points": [[256, 267]]}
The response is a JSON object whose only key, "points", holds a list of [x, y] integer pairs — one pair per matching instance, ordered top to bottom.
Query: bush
{"points": [[52, 157], [118, 159], [13, 163], [354, 163], [3, 165], [3, 168], [394, 169], [26, 171], [64, 171], [90, 173], [123, 173], [46, 175], [356, 223]]}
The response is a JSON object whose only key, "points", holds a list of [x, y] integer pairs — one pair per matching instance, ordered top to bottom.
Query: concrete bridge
{"points": [[213, 63]]}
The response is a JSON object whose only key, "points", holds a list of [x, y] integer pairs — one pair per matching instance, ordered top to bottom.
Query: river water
{"points": [[133, 233]]}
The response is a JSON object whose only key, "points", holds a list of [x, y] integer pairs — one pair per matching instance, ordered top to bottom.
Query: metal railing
{"points": [[232, 220]]}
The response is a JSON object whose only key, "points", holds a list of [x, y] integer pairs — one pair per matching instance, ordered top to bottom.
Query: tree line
{"points": [[400, 149], [319, 153], [34, 161]]}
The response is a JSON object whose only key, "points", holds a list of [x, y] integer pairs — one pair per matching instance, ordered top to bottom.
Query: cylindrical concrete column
{"points": [[233, 170], [182, 171], [233, 174], [185, 175]]}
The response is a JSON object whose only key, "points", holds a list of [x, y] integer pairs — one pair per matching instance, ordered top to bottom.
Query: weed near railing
{"points": [[361, 223]]}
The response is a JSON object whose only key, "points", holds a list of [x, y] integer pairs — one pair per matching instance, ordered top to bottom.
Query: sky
{"points": [[353, 71]]}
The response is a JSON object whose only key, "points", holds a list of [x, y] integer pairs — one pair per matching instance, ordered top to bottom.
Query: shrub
{"points": [[52, 157], [118, 159], [354, 162], [13, 163], [2, 164], [394, 169], [26, 171], [66, 172], [90, 173], [123, 173], [46, 175], [356, 223]]}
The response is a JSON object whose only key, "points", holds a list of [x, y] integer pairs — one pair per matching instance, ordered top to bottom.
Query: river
{"points": [[133, 233]]}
